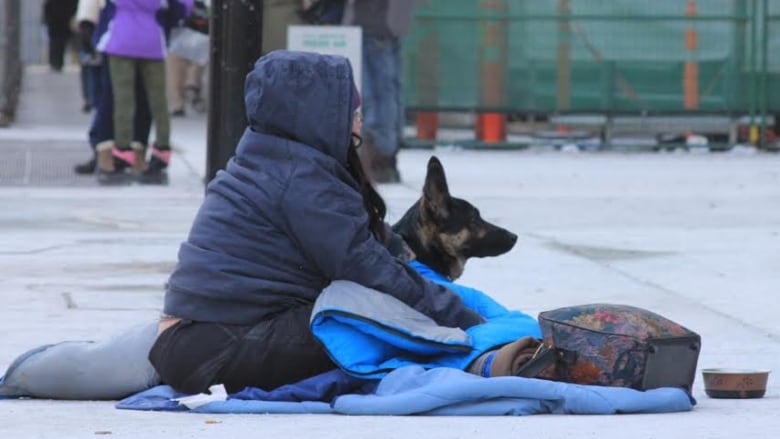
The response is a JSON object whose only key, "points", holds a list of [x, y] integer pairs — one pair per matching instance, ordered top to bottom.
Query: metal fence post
{"points": [[235, 44], [562, 57], [426, 68], [691, 69], [764, 72], [491, 125], [753, 129]]}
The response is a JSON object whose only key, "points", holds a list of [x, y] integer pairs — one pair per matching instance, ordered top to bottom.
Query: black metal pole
{"points": [[235, 44]]}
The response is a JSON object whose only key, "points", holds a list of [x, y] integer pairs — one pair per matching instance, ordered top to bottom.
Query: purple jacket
{"points": [[138, 27]]}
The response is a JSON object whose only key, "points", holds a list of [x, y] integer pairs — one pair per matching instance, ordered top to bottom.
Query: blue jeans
{"points": [[90, 79], [383, 112], [102, 127]]}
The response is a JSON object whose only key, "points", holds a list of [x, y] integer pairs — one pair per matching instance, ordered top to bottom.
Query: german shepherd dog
{"points": [[444, 231]]}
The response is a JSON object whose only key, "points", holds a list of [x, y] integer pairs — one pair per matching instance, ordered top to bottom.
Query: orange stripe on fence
{"points": [[691, 40], [691, 70], [691, 85], [427, 125], [491, 127]]}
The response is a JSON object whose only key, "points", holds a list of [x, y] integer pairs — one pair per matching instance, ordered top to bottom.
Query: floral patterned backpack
{"points": [[614, 345]]}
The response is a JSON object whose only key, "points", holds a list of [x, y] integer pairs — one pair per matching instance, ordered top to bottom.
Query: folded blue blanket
{"points": [[414, 390]]}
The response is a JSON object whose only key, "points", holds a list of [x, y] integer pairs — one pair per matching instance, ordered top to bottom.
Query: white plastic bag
{"points": [[190, 44]]}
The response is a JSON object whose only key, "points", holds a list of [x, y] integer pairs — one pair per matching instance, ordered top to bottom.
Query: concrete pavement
{"points": [[694, 237]]}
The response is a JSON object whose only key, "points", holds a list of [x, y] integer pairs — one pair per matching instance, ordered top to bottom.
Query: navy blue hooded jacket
{"points": [[286, 217]]}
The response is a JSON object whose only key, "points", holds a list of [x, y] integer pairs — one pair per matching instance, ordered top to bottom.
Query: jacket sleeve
{"points": [[88, 10], [330, 226], [396, 245]]}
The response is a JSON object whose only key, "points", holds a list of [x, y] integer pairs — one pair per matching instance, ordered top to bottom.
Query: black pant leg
{"points": [[57, 46], [277, 351], [190, 356]]}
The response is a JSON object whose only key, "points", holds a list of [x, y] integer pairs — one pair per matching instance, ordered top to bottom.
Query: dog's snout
{"points": [[510, 241]]}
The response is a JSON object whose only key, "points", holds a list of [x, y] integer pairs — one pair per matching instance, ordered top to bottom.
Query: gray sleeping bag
{"points": [[85, 370]]}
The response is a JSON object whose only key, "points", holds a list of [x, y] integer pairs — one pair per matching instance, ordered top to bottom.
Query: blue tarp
{"points": [[443, 391]]}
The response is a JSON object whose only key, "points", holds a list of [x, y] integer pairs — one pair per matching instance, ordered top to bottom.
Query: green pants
{"points": [[123, 71]]}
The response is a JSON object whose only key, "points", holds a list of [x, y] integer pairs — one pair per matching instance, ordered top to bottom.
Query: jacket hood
{"points": [[305, 97]]}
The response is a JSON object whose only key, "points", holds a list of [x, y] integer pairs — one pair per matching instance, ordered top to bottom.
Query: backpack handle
{"points": [[545, 357]]}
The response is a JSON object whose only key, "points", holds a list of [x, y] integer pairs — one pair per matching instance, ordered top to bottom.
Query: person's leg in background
{"points": [[57, 45], [176, 69], [153, 73], [93, 84], [194, 86], [87, 89], [380, 100], [399, 101], [370, 106], [142, 124], [101, 129], [113, 162]]}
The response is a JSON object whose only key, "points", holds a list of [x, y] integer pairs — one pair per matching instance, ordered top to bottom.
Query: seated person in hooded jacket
{"points": [[292, 212]]}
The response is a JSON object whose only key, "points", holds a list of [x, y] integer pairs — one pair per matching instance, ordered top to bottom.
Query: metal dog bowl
{"points": [[735, 383]]}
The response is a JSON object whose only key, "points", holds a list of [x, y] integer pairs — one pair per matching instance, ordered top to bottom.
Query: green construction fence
{"points": [[603, 56]]}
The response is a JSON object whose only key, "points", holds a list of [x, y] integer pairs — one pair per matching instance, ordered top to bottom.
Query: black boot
{"points": [[115, 166], [86, 168], [157, 170]]}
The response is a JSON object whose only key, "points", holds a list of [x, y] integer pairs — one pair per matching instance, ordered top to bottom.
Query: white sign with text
{"points": [[346, 41]]}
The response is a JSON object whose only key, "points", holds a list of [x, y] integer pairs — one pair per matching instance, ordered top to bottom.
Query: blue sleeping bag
{"points": [[368, 333]]}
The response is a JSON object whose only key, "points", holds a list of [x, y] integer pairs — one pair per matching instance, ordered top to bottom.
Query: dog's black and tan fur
{"points": [[444, 231]]}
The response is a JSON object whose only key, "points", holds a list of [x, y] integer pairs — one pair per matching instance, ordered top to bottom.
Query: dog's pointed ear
{"points": [[436, 194]]}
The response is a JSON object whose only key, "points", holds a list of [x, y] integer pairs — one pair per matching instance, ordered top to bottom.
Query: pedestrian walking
{"points": [[57, 16], [185, 70]]}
